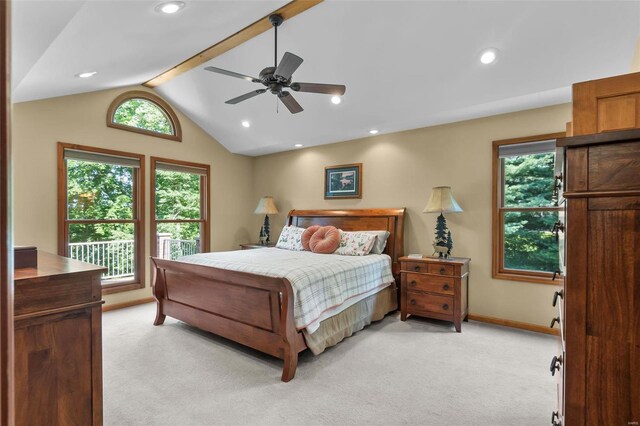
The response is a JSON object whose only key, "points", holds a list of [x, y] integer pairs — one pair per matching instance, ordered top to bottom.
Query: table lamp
{"points": [[442, 201], [266, 206]]}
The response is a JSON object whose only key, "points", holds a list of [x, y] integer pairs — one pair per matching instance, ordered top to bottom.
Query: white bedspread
{"points": [[322, 283]]}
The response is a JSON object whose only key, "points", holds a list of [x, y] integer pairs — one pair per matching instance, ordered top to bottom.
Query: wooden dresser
{"points": [[435, 288], [58, 343], [598, 359]]}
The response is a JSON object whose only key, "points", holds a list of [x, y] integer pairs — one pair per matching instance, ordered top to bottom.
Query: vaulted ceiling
{"points": [[406, 64]]}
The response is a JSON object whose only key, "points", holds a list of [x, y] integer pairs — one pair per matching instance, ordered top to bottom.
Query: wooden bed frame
{"points": [[256, 310]]}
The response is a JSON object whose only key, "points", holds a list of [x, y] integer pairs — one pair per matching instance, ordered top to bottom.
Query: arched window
{"points": [[144, 112]]}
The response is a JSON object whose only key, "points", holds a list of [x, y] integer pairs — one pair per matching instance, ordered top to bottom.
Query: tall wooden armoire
{"points": [[598, 361]]}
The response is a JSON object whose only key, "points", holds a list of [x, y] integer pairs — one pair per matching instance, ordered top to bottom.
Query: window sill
{"points": [[523, 277], [121, 287]]}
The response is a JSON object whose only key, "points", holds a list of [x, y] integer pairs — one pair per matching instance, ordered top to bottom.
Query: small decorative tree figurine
{"points": [[267, 229], [261, 237], [440, 244], [449, 244]]}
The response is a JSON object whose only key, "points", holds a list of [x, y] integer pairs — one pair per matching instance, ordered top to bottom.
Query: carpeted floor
{"points": [[418, 372]]}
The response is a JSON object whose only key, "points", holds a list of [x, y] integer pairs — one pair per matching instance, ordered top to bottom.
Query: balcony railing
{"points": [[169, 248], [119, 256]]}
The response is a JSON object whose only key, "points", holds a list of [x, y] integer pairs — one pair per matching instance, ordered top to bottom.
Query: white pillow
{"points": [[290, 238], [381, 241], [355, 243]]}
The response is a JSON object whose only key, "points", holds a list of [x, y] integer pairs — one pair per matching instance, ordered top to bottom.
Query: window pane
{"points": [[143, 114], [528, 180], [99, 191], [177, 195], [178, 239], [528, 242], [106, 244]]}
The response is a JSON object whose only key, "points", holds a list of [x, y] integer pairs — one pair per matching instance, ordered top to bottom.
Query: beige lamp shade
{"points": [[442, 201], [266, 206]]}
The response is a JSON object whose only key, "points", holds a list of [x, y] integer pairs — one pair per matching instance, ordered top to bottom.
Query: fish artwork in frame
{"points": [[343, 181]]}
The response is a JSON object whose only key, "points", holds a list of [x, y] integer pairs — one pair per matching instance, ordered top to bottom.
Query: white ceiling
{"points": [[406, 64]]}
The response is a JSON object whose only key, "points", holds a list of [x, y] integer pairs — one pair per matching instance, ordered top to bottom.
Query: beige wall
{"points": [[635, 63], [80, 119], [399, 170]]}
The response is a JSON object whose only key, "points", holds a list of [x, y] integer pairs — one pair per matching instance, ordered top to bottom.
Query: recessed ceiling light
{"points": [[169, 7], [489, 56], [87, 74], [336, 100], [246, 124], [373, 131], [298, 145]]}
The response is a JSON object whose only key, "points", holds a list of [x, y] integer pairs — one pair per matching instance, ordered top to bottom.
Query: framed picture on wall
{"points": [[344, 181]]}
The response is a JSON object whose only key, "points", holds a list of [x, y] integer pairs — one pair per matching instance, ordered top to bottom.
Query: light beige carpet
{"points": [[418, 372]]}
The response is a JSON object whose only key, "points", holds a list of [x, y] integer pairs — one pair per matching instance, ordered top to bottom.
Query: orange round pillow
{"points": [[307, 234], [325, 240]]}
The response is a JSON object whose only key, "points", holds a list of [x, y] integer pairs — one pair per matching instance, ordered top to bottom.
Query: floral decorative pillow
{"points": [[290, 238], [355, 243]]}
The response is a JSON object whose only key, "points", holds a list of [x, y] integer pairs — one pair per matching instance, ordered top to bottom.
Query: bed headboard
{"points": [[391, 220]]}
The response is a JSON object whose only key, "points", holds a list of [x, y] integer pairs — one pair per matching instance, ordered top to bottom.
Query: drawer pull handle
{"points": [[417, 268], [443, 271], [413, 283], [445, 287], [557, 294], [413, 301], [445, 307], [554, 321], [556, 362]]}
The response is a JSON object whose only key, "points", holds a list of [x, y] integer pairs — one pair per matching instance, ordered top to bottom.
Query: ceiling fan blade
{"points": [[287, 66], [233, 74], [327, 89], [245, 96], [290, 102]]}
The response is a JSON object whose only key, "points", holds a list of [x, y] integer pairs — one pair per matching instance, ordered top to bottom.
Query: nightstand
{"points": [[250, 246], [435, 288]]}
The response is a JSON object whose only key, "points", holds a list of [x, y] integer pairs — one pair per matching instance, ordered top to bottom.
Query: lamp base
{"points": [[267, 230], [443, 244]]}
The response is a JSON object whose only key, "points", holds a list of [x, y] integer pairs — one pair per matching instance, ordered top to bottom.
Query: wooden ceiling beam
{"points": [[287, 11]]}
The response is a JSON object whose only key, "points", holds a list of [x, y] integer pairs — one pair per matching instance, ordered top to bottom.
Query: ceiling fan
{"points": [[278, 78]]}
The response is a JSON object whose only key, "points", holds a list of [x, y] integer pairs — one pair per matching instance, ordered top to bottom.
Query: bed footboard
{"points": [[254, 310]]}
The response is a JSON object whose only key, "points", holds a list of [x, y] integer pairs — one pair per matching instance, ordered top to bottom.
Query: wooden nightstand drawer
{"points": [[415, 267], [440, 269], [431, 283], [422, 302]]}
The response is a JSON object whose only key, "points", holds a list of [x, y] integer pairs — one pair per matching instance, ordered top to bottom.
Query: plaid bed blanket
{"points": [[320, 281]]}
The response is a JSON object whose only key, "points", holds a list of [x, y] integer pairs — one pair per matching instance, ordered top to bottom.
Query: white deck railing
{"points": [[119, 256]]}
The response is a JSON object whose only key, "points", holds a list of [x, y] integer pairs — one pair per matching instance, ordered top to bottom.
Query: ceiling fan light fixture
{"points": [[170, 7], [489, 56], [86, 74], [278, 78], [246, 124]]}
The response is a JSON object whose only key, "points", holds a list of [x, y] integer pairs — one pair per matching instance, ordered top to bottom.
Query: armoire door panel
{"points": [[618, 113], [614, 167], [613, 274], [611, 397]]}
